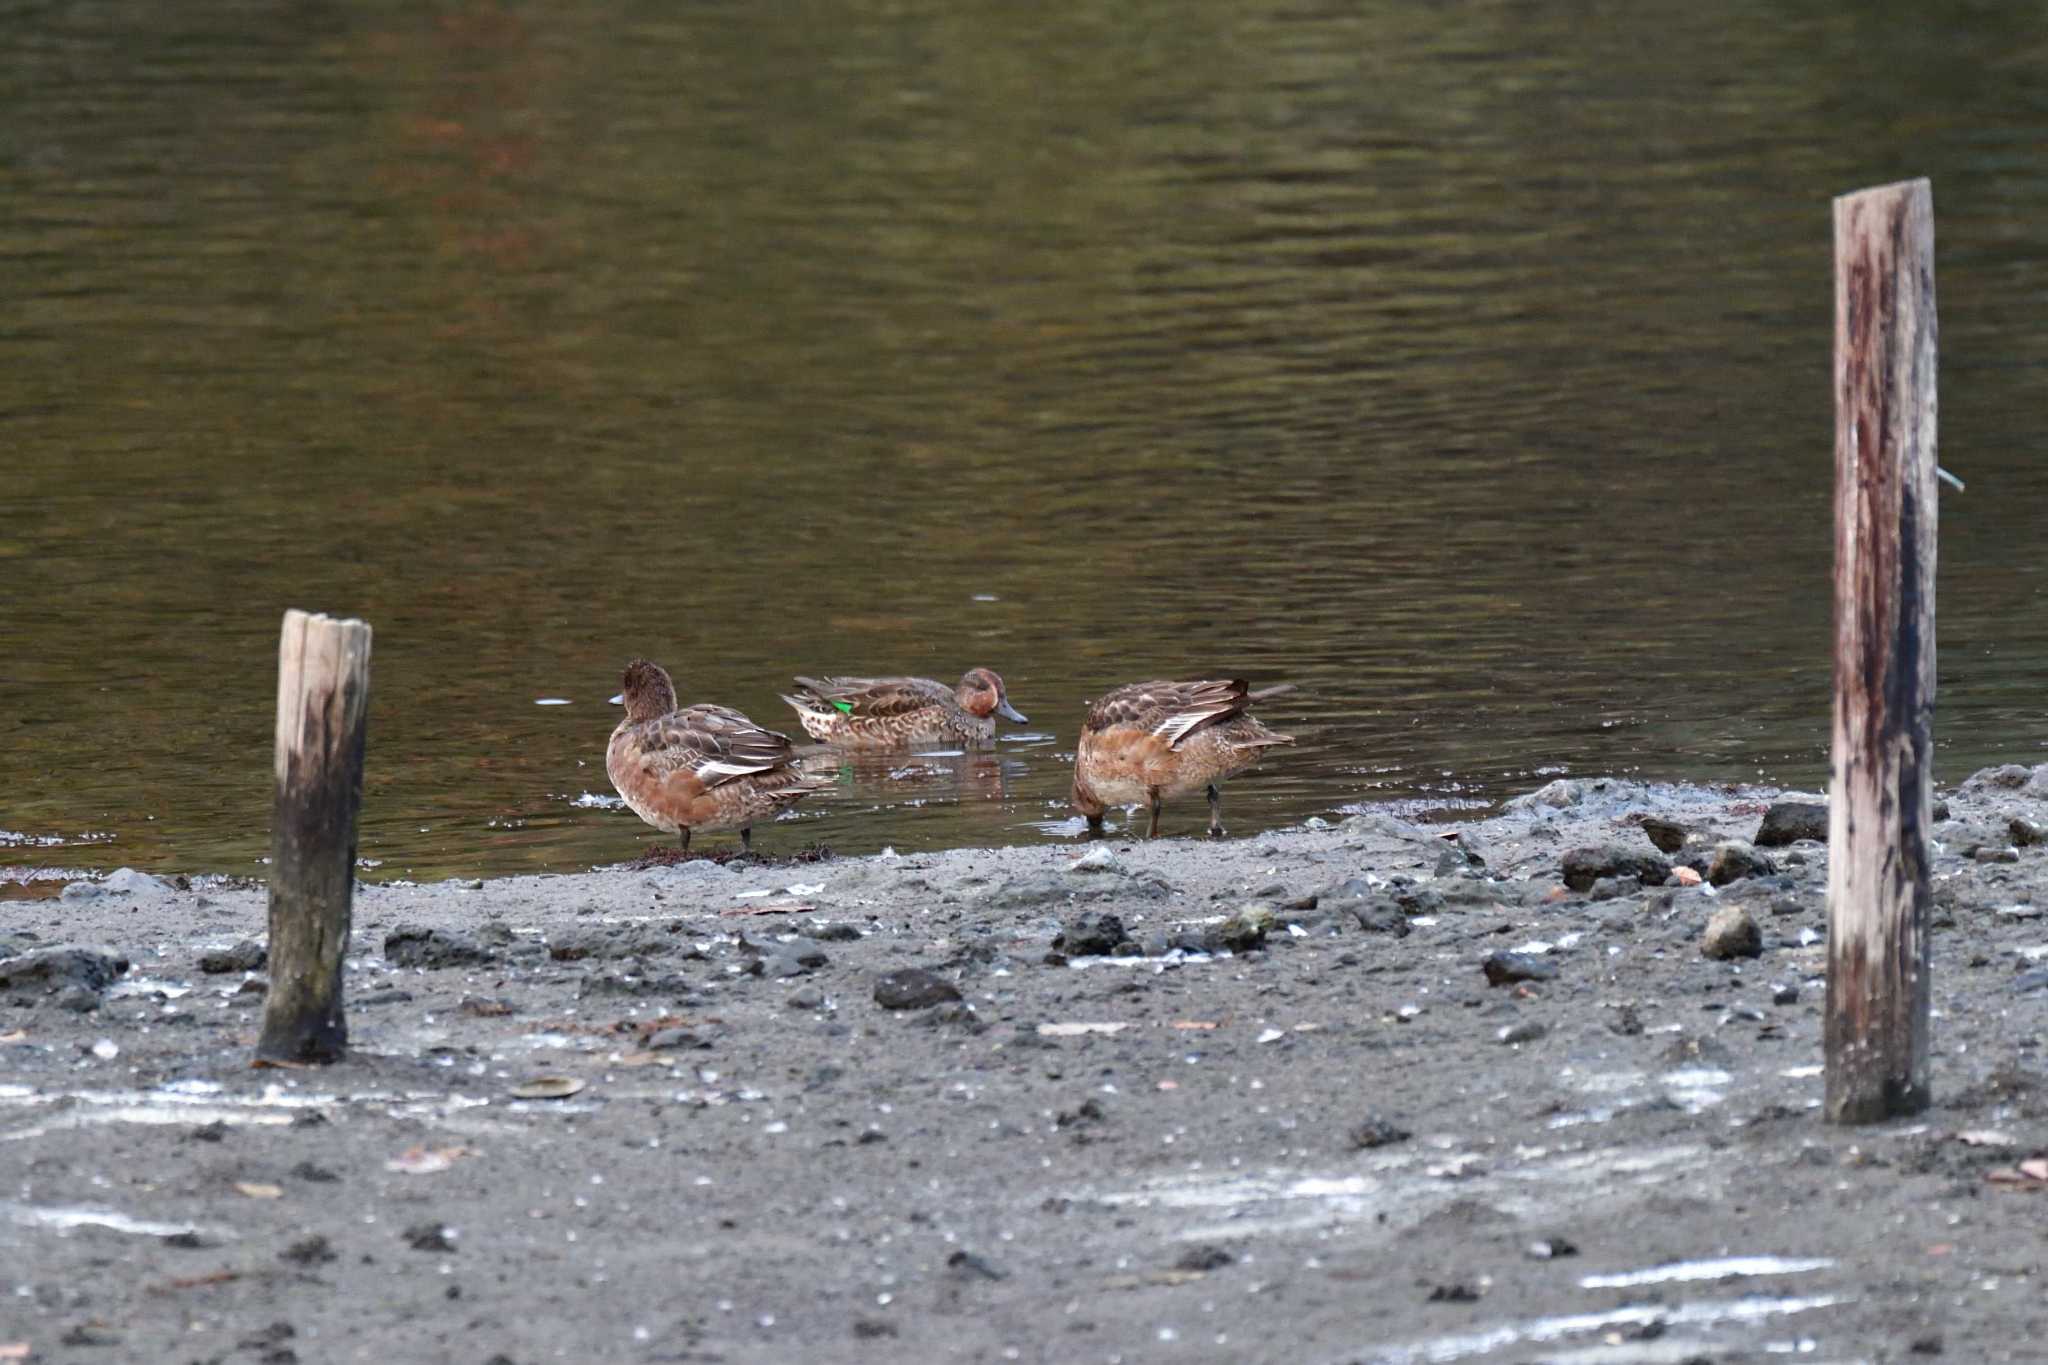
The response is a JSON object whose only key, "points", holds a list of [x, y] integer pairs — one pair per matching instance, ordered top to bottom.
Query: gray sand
{"points": [[1340, 1143]]}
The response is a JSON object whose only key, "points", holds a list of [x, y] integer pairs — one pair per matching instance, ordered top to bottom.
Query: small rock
{"points": [[2004, 777], [1940, 811], [1787, 822], [2025, 833], [1667, 835], [1992, 853], [1098, 859], [1735, 859], [1584, 866], [126, 881], [1613, 888], [76, 892], [1380, 916], [831, 931], [1243, 931], [1731, 933], [1091, 934], [411, 945], [246, 956], [794, 960], [62, 965], [1504, 968], [2026, 983], [254, 985], [913, 988], [1787, 994], [806, 998], [77, 999], [1524, 1031], [662, 1040], [1377, 1132], [317, 1174], [430, 1237], [1551, 1248], [313, 1250], [1204, 1257], [970, 1266], [1453, 1293]]}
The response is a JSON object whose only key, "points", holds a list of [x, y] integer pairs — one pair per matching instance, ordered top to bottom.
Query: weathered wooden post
{"points": [[1885, 508], [323, 703]]}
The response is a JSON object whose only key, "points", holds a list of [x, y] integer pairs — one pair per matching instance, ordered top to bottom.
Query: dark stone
{"points": [[1787, 822], [2025, 833], [1668, 836], [1995, 853], [1734, 859], [1584, 866], [1611, 888], [1381, 916], [836, 931], [1241, 932], [1730, 933], [1090, 935], [411, 945], [246, 956], [794, 960], [64, 964], [1503, 968], [2026, 983], [913, 988], [1787, 994], [390, 995], [805, 998], [78, 999], [954, 1012], [1526, 1031], [661, 1040], [216, 1131], [1377, 1132], [319, 1175], [430, 1237], [1551, 1248], [313, 1250], [1204, 1257], [970, 1266], [1453, 1293], [868, 1329]]}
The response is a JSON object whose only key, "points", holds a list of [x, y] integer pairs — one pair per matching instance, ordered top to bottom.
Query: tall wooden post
{"points": [[1885, 508], [323, 704]]}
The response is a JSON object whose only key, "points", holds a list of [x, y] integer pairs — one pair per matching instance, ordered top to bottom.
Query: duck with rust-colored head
{"points": [[894, 713], [1148, 742], [698, 767]]}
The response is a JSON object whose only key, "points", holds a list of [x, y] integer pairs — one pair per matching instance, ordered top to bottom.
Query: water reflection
{"points": [[1466, 367]]}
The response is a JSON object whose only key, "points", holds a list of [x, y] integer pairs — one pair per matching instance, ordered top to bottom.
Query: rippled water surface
{"points": [[1466, 365]]}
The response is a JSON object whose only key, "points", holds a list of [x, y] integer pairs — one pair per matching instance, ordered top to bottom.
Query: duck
{"points": [[894, 713], [1148, 742], [702, 767]]}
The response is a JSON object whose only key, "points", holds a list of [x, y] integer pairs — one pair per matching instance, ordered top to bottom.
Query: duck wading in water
{"points": [[1146, 743], [698, 767]]}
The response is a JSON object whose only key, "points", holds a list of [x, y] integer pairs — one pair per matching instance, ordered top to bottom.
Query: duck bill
{"points": [[1009, 712]]}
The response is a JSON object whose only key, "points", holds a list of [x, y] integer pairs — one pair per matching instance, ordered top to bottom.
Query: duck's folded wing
{"points": [[876, 697], [1171, 710], [717, 744]]}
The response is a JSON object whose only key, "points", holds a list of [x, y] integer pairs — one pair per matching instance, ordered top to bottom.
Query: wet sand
{"points": [[1290, 1118]]}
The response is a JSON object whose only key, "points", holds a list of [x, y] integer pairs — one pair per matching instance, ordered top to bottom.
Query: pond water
{"points": [[1467, 366]]}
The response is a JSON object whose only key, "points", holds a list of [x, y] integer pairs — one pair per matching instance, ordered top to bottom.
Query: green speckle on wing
{"points": [[845, 706]]}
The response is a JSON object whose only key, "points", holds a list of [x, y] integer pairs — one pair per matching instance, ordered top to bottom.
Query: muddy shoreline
{"points": [[1374, 1092]]}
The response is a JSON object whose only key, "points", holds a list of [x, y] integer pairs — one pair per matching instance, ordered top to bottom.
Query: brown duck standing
{"points": [[893, 713], [1146, 742], [698, 767]]}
